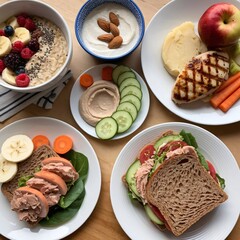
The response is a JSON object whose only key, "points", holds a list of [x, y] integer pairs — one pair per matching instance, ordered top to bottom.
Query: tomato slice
{"points": [[171, 146], [146, 153], [212, 170]]}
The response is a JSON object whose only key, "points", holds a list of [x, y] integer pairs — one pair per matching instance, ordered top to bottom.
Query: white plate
{"points": [[159, 80], [77, 91], [215, 226], [11, 227]]}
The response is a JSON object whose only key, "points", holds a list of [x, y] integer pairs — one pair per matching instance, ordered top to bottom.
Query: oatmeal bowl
{"points": [[109, 29], [35, 46]]}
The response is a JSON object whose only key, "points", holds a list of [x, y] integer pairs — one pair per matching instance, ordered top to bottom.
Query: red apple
{"points": [[219, 26]]}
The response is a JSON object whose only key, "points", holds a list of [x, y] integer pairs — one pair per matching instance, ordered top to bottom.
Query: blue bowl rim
{"points": [[116, 57]]}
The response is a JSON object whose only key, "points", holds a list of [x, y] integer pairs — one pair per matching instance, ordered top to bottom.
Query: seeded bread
{"points": [[26, 168], [183, 191]]}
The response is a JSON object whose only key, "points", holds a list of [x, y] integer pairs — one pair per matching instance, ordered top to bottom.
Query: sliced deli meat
{"points": [[201, 77]]}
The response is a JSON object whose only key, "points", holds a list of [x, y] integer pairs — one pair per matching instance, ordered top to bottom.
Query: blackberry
{"points": [[33, 45], [13, 61]]}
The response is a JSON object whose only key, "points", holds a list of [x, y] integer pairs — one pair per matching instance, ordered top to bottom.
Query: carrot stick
{"points": [[107, 73], [86, 80], [229, 81], [219, 97], [228, 103], [40, 140], [62, 144]]}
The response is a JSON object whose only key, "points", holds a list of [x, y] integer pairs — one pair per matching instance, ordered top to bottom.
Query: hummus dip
{"points": [[128, 28], [52, 53], [99, 100]]}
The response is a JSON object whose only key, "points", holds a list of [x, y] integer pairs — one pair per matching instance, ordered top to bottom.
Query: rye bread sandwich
{"points": [[173, 181], [40, 182]]}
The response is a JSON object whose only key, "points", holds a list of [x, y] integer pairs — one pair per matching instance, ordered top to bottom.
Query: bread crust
{"points": [[179, 186]]}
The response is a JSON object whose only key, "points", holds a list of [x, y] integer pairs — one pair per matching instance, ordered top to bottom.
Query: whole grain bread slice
{"points": [[27, 168], [183, 191]]}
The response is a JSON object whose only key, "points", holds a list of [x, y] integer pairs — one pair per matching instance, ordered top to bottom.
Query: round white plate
{"points": [[159, 80], [77, 91], [215, 226], [11, 227]]}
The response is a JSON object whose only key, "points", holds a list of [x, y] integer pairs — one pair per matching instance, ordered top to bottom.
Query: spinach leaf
{"points": [[79, 162], [22, 180], [221, 181], [74, 192], [62, 215]]}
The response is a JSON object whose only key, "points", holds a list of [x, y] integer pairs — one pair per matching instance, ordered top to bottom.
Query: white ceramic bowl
{"points": [[38, 8], [88, 12]]}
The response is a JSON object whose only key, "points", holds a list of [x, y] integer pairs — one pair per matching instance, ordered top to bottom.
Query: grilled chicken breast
{"points": [[201, 77]]}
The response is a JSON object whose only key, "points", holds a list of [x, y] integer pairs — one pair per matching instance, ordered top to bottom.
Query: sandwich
{"points": [[173, 181], [40, 182]]}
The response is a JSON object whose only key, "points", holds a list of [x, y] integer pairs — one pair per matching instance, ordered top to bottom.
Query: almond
{"points": [[114, 18], [103, 24], [114, 29], [106, 37], [116, 42]]}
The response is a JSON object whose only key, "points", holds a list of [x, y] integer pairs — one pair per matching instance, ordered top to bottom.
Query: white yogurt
{"points": [[128, 27]]}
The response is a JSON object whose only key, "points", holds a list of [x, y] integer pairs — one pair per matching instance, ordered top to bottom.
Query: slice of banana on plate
{"points": [[12, 21], [21, 34], [5, 46], [9, 76], [17, 148], [7, 169]]}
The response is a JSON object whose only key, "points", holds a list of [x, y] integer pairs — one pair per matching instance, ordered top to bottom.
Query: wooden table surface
{"points": [[102, 223]]}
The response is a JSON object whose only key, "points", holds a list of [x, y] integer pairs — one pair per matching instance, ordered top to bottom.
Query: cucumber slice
{"points": [[118, 70], [125, 75], [129, 82], [131, 90], [132, 99], [129, 107], [123, 119], [106, 128], [130, 176], [152, 215]]}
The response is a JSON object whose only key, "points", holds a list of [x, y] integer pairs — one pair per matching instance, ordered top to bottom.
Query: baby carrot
{"points": [[107, 73], [86, 80], [229, 81], [219, 97], [228, 103], [40, 140], [62, 144]]}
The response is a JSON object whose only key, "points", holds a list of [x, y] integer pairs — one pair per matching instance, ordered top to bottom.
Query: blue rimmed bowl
{"points": [[131, 27]]}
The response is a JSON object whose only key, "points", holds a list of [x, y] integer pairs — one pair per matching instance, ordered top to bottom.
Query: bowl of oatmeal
{"points": [[109, 29], [35, 46]]}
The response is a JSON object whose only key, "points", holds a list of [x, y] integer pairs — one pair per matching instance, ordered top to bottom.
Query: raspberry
{"points": [[21, 20], [29, 24], [2, 33], [33, 45], [17, 46], [26, 53], [13, 61], [2, 66], [22, 80]]}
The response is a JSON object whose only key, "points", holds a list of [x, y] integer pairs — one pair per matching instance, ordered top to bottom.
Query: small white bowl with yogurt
{"points": [[109, 29], [50, 62]]}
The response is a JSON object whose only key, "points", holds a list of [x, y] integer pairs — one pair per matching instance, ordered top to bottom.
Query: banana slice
{"points": [[12, 21], [21, 34], [5, 46], [9, 76], [17, 148], [7, 169]]}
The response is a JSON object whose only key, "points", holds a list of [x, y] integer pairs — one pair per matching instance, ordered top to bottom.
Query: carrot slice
{"points": [[107, 73], [86, 80], [229, 81], [219, 97], [229, 102], [40, 140], [62, 144]]}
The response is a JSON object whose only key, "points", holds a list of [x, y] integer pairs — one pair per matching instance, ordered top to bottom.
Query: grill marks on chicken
{"points": [[201, 77]]}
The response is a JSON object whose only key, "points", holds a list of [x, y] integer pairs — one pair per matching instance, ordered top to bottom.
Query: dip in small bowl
{"points": [[109, 29]]}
